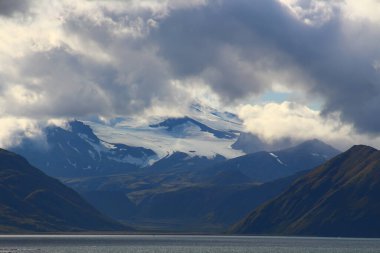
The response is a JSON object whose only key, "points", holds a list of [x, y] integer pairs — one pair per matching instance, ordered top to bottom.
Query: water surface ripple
{"points": [[182, 244]]}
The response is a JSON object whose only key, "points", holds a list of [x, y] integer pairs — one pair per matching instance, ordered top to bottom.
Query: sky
{"points": [[299, 69]]}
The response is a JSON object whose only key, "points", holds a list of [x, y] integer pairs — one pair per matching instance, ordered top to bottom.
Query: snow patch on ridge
{"points": [[277, 158]]}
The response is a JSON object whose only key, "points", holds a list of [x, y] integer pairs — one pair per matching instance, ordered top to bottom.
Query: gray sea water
{"points": [[183, 244]]}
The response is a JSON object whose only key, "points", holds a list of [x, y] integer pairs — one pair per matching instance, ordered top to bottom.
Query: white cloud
{"points": [[362, 10], [312, 12], [318, 12], [273, 122], [13, 130]]}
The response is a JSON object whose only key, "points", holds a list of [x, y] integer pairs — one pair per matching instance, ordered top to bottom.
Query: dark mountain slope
{"points": [[109, 193], [339, 198], [32, 201], [115, 204], [217, 204]]}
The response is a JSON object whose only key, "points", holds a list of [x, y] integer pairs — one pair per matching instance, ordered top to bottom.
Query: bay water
{"points": [[182, 244]]}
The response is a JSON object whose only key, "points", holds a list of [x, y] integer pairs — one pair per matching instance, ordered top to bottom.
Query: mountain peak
{"points": [[79, 127], [313, 143], [315, 146], [361, 148]]}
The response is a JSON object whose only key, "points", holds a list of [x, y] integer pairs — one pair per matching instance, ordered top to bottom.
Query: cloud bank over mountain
{"points": [[67, 58], [275, 122]]}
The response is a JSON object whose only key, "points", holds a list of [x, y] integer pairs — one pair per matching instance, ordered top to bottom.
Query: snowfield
{"points": [[187, 137]]}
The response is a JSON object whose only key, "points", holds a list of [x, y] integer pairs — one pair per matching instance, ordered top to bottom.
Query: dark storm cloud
{"points": [[9, 7], [220, 36], [334, 59], [114, 71], [136, 76]]}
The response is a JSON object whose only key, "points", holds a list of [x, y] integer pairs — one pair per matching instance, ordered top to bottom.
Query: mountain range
{"points": [[75, 151], [267, 166], [196, 173], [170, 174], [183, 190]]}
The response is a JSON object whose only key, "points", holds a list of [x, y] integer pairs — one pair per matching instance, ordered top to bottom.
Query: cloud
{"points": [[10, 7], [365, 10], [313, 12], [220, 44], [242, 48], [83, 58], [61, 59], [274, 122], [13, 130]]}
